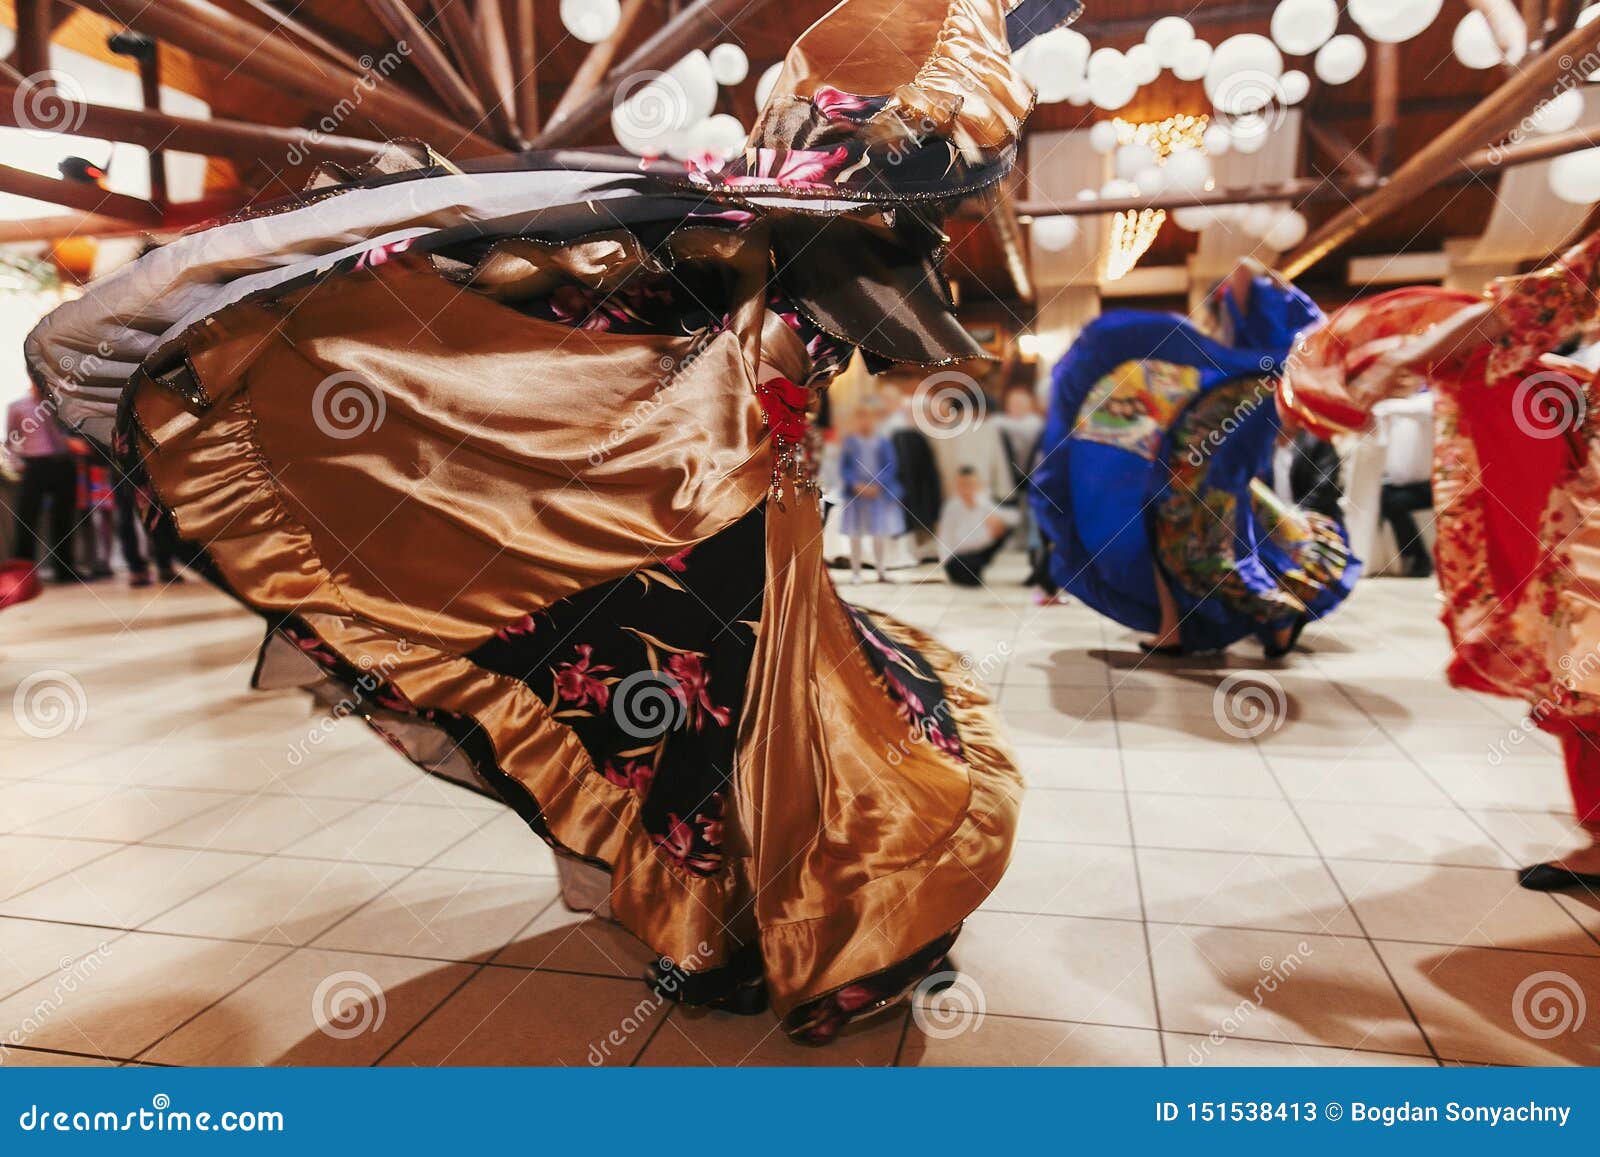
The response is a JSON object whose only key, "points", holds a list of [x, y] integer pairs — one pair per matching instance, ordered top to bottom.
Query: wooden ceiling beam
{"points": [[1200, 15], [490, 22], [36, 24], [402, 24], [700, 25], [202, 29], [296, 30], [460, 35], [525, 63], [596, 64], [1385, 104], [1481, 127], [239, 140], [1337, 150], [1311, 190], [80, 195], [179, 217], [1002, 218]]}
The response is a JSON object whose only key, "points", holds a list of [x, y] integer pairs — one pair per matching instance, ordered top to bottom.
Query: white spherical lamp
{"points": [[591, 21], [1394, 21], [1300, 27], [1167, 36], [1473, 42], [1193, 58], [1341, 59], [1142, 60], [729, 64], [1243, 73], [768, 82], [1294, 86], [1559, 113], [1250, 133], [718, 137], [1103, 137], [1217, 140], [1133, 160], [1189, 170], [1575, 178], [1152, 180], [1193, 217], [1258, 220], [1287, 231], [1053, 234]]}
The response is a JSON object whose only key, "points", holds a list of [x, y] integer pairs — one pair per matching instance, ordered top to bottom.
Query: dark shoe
{"points": [[63, 576], [139, 578], [171, 578], [1169, 651], [1273, 651], [1550, 878]]}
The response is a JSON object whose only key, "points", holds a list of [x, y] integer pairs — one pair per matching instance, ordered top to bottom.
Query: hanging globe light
{"points": [[591, 21], [1394, 21], [1300, 27], [1167, 37], [1473, 42], [1341, 59], [1142, 60], [1192, 61], [729, 65], [768, 82], [1559, 113], [1103, 137], [1575, 178], [1287, 231], [1053, 234]]}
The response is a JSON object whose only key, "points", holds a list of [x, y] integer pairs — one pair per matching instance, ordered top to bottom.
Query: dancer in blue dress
{"points": [[1151, 484]]}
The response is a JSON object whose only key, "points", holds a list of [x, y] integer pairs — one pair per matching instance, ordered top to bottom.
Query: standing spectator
{"points": [[1405, 428], [49, 475], [871, 481], [972, 529], [158, 538]]}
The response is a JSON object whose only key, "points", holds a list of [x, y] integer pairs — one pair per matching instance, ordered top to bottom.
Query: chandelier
{"points": [[1132, 233]]}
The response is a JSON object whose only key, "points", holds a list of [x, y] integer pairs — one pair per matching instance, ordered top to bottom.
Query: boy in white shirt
{"points": [[972, 529]]}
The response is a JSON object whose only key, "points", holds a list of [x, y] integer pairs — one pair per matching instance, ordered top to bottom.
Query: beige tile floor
{"points": [[184, 879]]}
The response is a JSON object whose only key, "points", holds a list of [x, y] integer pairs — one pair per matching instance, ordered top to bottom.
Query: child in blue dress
{"points": [[871, 478]]}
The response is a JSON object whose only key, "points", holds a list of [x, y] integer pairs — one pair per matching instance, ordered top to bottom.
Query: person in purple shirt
{"points": [[49, 473]]}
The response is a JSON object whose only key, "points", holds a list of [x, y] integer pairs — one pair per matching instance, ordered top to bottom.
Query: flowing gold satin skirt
{"points": [[405, 467]]}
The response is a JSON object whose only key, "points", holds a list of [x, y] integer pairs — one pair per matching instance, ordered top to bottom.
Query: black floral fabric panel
{"points": [[649, 671], [911, 682]]}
